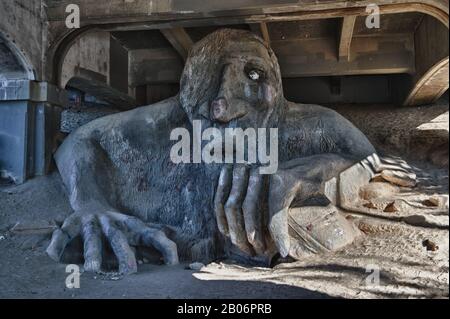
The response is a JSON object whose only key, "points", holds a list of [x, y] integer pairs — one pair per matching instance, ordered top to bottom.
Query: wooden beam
{"points": [[140, 10], [95, 18], [348, 25], [261, 30], [265, 32], [180, 40], [392, 54], [298, 58], [150, 66], [430, 80], [431, 86]]}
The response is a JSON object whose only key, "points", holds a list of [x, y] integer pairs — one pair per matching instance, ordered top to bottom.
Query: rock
{"points": [[399, 178], [378, 190], [440, 201], [431, 202], [390, 208], [39, 227], [316, 229], [430, 245], [197, 266]]}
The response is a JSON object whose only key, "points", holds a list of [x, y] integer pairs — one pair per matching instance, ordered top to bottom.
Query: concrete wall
{"points": [[22, 24], [90, 52], [11, 65], [29, 116]]}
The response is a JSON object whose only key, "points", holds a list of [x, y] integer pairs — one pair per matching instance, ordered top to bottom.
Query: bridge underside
{"points": [[326, 42]]}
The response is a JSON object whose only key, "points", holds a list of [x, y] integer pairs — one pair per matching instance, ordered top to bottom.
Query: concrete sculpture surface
{"points": [[125, 187]]}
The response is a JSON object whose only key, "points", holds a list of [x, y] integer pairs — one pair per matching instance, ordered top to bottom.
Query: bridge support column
{"points": [[29, 121]]}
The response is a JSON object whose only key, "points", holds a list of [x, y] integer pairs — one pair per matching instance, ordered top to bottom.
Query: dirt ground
{"points": [[409, 249], [26, 271]]}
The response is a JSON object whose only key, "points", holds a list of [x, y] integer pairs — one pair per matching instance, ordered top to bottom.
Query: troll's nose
{"points": [[219, 110]]}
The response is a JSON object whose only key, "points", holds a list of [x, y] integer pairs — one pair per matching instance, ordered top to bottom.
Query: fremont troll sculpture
{"points": [[127, 192]]}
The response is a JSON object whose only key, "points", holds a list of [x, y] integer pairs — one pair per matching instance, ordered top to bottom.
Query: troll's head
{"points": [[232, 78]]}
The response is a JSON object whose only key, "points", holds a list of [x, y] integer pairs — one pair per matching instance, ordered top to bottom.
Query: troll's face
{"points": [[232, 79]]}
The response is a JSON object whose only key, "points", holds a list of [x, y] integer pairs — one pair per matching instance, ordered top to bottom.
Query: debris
{"points": [[399, 178], [440, 201], [431, 202], [370, 205], [390, 208], [427, 220], [40, 227], [366, 228], [2, 237], [31, 242], [430, 245], [140, 262], [196, 266], [114, 276]]}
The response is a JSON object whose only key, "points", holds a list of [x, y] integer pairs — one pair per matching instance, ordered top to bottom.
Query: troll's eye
{"points": [[255, 75]]}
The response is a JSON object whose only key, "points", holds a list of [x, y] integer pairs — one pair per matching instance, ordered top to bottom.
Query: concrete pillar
{"points": [[30, 114]]}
